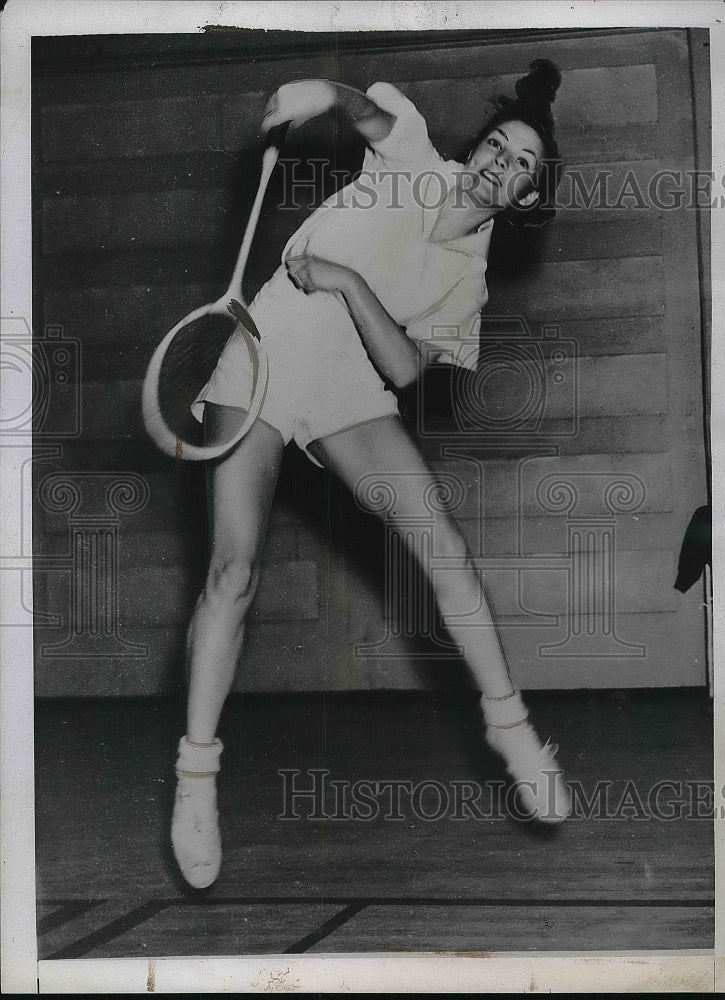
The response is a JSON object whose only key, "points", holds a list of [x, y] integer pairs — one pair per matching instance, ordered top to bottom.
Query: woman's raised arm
{"points": [[302, 100]]}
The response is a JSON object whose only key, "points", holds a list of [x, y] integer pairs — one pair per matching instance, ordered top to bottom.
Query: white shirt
{"points": [[380, 226]]}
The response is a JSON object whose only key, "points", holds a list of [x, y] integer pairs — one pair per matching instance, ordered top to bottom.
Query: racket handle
{"points": [[276, 136], [273, 144], [269, 159]]}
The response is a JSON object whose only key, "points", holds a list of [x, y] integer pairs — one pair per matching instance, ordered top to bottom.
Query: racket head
{"points": [[181, 366]]}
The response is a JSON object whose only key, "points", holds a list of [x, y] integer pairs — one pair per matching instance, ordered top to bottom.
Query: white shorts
{"points": [[321, 380]]}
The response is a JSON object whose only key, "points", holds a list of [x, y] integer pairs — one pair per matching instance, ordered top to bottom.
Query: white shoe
{"points": [[537, 776], [195, 833]]}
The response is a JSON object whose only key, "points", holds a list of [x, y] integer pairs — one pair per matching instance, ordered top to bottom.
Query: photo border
{"points": [[684, 971]]}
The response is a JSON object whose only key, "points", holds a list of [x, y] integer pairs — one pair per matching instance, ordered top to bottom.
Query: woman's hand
{"points": [[298, 102], [313, 274], [395, 356]]}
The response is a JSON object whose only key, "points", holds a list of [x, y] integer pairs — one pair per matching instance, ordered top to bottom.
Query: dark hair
{"points": [[535, 93]]}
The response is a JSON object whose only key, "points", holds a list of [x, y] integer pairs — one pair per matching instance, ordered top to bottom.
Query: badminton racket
{"points": [[186, 357]]}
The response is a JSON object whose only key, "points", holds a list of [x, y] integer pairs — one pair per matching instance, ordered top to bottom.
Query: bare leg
{"points": [[384, 446], [240, 494]]}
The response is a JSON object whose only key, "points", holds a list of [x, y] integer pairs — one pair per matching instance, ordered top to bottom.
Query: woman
{"points": [[388, 275]]}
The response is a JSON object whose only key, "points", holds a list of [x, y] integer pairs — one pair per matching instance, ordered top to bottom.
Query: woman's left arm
{"points": [[395, 356]]}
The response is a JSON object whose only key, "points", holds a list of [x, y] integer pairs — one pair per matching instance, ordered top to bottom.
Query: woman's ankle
{"points": [[504, 711], [198, 758]]}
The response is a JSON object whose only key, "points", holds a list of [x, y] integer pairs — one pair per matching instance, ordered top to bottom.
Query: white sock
{"points": [[504, 712], [198, 758]]}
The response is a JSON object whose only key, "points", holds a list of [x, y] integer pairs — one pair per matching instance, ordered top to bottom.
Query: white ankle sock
{"points": [[504, 712], [198, 758], [195, 823]]}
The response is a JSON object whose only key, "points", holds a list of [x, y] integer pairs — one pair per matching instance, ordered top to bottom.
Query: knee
{"points": [[232, 581]]}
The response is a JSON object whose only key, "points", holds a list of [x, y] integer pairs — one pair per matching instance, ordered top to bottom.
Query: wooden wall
{"points": [[145, 162]]}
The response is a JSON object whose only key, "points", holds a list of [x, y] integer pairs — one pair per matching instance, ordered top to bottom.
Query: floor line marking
{"points": [[400, 901], [434, 901], [351, 906], [68, 909], [328, 927], [103, 935]]}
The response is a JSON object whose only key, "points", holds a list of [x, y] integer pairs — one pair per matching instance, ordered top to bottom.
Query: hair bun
{"points": [[538, 88]]}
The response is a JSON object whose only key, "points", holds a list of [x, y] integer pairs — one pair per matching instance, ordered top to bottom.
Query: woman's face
{"points": [[504, 166]]}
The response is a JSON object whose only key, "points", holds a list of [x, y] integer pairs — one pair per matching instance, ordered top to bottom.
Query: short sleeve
{"points": [[408, 142], [449, 329]]}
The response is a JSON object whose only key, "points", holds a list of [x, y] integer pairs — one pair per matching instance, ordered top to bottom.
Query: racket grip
{"points": [[276, 136], [242, 316]]}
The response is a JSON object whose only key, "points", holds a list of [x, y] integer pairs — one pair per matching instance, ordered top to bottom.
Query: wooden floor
{"points": [[107, 886]]}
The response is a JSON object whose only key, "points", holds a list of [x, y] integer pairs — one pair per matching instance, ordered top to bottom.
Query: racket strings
{"points": [[188, 365]]}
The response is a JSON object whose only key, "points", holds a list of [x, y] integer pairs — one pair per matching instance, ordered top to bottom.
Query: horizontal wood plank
{"points": [[608, 95], [152, 127], [597, 144], [207, 169], [147, 218], [572, 237], [584, 289], [139, 314], [613, 335], [512, 382], [584, 436], [523, 485], [510, 536], [172, 548], [642, 582], [523, 589], [163, 595], [673, 646], [279, 656], [528, 928]]}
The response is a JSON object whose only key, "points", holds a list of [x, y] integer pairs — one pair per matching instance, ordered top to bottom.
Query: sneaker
{"points": [[537, 776], [195, 833]]}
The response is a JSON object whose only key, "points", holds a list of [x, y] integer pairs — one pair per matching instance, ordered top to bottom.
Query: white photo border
{"points": [[682, 971]]}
